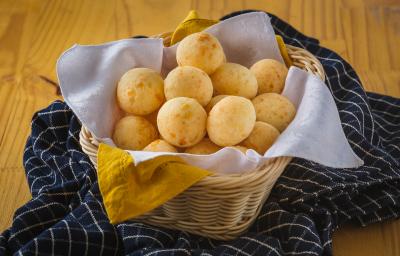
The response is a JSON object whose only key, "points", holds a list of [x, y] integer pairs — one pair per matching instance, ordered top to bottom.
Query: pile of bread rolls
{"points": [[204, 104]]}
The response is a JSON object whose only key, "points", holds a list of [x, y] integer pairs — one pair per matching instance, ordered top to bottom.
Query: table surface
{"points": [[34, 33]]}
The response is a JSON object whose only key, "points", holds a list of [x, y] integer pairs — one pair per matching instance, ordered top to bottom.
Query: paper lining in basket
{"points": [[88, 78]]}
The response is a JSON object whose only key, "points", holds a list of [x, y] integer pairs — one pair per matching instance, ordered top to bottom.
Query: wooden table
{"points": [[34, 33]]}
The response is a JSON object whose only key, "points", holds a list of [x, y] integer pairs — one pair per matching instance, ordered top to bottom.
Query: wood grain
{"points": [[33, 33]]}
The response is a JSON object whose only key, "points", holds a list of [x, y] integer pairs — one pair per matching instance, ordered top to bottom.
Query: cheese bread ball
{"points": [[200, 50], [270, 74], [234, 79], [188, 82], [140, 91], [214, 100], [274, 109], [230, 121], [182, 122], [134, 133], [262, 137], [160, 146], [204, 147], [241, 148]]}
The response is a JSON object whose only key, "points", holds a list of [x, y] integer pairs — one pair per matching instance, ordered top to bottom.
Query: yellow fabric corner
{"points": [[191, 15], [191, 24], [129, 191]]}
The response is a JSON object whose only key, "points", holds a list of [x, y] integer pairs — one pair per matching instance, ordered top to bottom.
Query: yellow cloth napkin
{"points": [[192, 24], [283, 50], [129, 191]]}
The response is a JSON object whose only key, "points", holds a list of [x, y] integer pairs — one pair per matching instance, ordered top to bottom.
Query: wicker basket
{"points": [[219, 206]]}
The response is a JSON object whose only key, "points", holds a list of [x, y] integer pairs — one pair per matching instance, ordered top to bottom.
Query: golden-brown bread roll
{"points": [[200, 50], [270, 75], [234, 79], [188, 82], [140, 91], [214, 100], [274, 109], [182, 121], [230, 121], [133, 133], [262, 137], [160, 146], [204, 147]]}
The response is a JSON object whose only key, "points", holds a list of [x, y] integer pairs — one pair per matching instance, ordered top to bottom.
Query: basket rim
{"points": [[90, 146]]}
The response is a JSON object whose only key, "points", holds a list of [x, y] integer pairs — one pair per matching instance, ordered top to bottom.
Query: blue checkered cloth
{"points": [[309, 201]]}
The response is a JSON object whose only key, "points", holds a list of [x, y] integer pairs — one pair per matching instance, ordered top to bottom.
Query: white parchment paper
{"points": [[88, 77]]}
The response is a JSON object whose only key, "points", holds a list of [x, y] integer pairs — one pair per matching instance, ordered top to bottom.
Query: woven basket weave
{"points": [[219, 206]]}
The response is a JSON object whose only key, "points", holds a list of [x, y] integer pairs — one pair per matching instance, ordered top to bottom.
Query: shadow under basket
{"points": [[219, 206]]}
